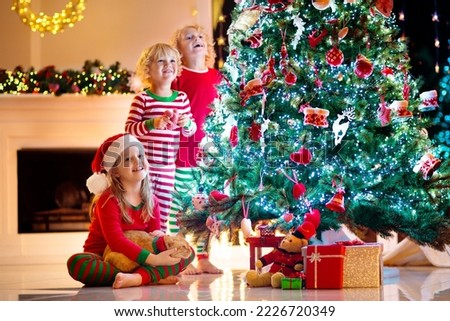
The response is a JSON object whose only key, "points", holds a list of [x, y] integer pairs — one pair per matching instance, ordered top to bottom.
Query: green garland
{"points": [[92, 79]]}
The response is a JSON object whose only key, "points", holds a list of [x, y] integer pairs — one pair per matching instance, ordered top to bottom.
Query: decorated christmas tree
{"points": [[319, 119]]}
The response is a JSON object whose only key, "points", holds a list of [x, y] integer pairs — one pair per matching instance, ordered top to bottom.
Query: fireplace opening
{"points": [[52, 193]]}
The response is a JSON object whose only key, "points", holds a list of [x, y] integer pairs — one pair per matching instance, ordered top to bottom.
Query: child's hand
{"points": [[184, 121], [162, 122], [163, 258]]}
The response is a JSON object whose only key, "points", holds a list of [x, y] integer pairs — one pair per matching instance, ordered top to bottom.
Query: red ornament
{"points": [[334, 57], [363, 67], [290, 78], [255, 132], [234, 136], [303, 156], [298, 190], [217, 196], [336, 204], [288, 216], [313, 216]]}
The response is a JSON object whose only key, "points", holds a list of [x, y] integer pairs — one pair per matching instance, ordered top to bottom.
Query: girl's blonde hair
{"points": [[210, 52], [151, 54], [118, 191]]}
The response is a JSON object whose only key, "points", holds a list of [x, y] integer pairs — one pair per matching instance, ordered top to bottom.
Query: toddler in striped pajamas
{"points": [[158, 116]]}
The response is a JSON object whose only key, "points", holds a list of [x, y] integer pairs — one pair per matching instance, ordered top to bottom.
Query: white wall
{"points": [[112, 30]]}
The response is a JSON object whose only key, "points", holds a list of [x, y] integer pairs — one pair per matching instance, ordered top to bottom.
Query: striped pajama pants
{"points": [[185, 182], [91, 270]]}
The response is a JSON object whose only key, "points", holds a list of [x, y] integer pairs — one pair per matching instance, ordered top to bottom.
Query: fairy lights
{"points": [[43, 23]]}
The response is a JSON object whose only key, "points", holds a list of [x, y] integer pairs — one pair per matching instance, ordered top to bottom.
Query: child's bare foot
{"points": [[206, 266], [190, 270], [171, 279], [126, 280]]}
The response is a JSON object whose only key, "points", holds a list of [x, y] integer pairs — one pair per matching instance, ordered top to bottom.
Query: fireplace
{"points": [[52, 196]]}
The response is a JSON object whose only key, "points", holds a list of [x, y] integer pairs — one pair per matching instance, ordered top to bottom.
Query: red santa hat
{"points": [[105, 159]]}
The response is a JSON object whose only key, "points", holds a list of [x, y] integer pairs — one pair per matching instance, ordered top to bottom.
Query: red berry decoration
{"points": [[334, 57]]}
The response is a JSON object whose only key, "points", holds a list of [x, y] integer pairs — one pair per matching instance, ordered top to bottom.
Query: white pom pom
{"points": [[97, 183]]}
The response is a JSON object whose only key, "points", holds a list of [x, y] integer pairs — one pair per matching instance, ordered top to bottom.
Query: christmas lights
{"points": [[44, 23]]}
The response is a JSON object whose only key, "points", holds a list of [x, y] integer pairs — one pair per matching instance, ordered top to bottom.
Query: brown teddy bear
{"points": [[146, 241], [286, 259]]}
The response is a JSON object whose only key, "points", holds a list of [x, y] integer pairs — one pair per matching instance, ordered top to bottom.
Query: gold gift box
{"points": [[363, 266]]}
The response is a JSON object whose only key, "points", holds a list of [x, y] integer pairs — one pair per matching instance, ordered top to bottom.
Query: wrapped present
{"points": [[362, 265], [324, 266], [291, 283]]}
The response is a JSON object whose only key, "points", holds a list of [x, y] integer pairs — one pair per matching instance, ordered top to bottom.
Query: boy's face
{"points": [[192, 42]]}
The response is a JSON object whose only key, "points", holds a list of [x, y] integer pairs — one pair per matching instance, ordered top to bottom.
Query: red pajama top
{"points": [[200, 87], [107, 227]]}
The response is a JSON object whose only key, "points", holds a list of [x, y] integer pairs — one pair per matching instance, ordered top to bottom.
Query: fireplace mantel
{"points": [[46, 121]]}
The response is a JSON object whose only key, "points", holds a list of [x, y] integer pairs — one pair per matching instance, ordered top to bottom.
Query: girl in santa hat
{"points": [[123, 201]]}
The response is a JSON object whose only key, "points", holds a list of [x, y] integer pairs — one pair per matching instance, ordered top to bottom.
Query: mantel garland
{"points": [[44, 23], [92, 79]]}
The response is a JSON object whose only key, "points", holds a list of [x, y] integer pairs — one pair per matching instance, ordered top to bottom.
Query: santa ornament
{"points": [[429, 101], [400, 110], [316, 117], [105, 159], [427, 165]]}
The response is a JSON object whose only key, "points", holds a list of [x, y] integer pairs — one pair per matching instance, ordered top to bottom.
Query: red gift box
{"points": [[324, 266]]}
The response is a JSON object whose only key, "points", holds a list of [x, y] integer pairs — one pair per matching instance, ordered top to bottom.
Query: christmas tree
{"points": [[320, 118]]}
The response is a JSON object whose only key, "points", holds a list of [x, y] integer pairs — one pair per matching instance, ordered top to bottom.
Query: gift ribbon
{"points": [[317, 257]]}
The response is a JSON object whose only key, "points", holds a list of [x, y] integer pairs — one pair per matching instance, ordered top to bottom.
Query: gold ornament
{"points": [[45, 23]]}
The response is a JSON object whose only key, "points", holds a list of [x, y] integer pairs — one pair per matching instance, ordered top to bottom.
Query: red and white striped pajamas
{"points": [[161, 145]]}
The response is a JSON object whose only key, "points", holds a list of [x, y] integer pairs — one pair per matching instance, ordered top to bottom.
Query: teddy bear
{"points": [[148, 242], [286, 259]]}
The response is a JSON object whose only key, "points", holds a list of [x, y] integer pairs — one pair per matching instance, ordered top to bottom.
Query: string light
{"points": [[44, 23]]}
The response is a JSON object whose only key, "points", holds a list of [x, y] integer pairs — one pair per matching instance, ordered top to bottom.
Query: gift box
{"points": [[362, 265], [324, 266], [291, 283]]}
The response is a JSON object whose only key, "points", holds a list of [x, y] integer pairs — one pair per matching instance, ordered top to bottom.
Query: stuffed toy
{"points": [[150, 243], [286, 260]]}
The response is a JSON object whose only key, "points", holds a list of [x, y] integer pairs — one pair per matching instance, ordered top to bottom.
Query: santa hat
{"points": [[105, 158], [305, 231]]}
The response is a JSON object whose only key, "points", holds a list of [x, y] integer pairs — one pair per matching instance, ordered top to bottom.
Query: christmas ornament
{"points": [[324, 4], [384, 7], [246, 19], [300, 25], [342, 33], [255, 40], [315, 40], [334, 57], [363, 67], [386, 71], [268, 74], [289, 77], [253, 88], [429, 101], [400, 108], [384, 113], [172, 116], [316, 117], [340, 128], [254, 132], [234, 136], [303, 156], [428, 164], [298, 190], [217, 196], [199, 201], [336, 204], [288, 216], [313, 216], [246, 224], [213, 225]]}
